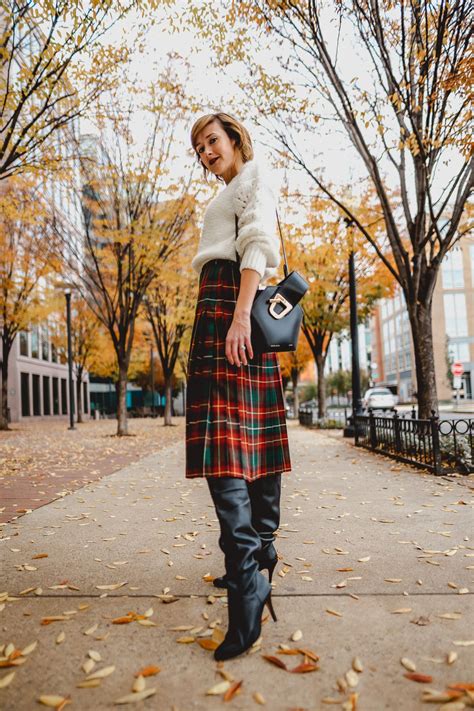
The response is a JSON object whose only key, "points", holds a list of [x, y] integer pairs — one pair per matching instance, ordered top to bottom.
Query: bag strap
{"points": [[285, 261]]}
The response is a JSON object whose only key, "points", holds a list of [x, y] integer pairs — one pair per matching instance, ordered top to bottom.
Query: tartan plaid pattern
{"points": [[235, 417]]}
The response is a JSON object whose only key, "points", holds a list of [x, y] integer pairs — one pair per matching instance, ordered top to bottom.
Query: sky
{"points": [[217, 91], [333, 156]]}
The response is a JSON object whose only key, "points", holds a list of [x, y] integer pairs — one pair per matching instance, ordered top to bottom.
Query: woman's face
{"points": [[217, 151]]}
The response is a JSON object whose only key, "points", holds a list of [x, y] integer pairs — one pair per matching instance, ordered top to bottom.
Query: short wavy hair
{"points": [[234, 129]]}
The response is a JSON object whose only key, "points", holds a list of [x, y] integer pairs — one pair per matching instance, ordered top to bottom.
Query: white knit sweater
{"points": [[249, 196]]}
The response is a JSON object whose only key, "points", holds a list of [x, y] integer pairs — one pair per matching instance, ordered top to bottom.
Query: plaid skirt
{"points": [[235, 416]]}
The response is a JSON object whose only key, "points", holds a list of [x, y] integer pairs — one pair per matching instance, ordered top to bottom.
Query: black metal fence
{"points": [[335, 417], [442, 446]]}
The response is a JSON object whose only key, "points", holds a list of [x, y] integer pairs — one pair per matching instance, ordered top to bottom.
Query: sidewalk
{"points": [[42, 461], [377, 563]]}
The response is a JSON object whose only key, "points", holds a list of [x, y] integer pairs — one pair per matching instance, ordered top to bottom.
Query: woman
{"points": [[235, 418]]}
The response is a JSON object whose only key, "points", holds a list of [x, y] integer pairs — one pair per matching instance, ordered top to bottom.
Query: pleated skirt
{"points": [[235, 416]]}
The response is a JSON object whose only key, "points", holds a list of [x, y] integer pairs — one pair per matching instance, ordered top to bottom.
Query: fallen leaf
{"points": [[114, 586], [209, 644], [29, 648], [308, 653], [274, 660], [408, 664], [88, 666], [304, 668], [148, 671], [102, 673], [352, 678], [421, 678], [7, 679], [89, 683], [139, 684], [218, 689], [233, 690], [135, 696], [53, 701]]}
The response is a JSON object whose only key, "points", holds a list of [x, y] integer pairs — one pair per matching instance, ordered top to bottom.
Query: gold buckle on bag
{"points": [[279, 299]]}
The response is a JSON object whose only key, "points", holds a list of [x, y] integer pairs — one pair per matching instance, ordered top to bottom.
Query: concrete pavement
{"points": [[377, 563]]}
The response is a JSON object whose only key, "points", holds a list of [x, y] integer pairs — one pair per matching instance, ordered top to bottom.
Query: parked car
{"points": [[379, 399]]}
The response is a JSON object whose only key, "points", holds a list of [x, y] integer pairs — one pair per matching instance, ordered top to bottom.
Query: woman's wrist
{"points": [[241, 312]]}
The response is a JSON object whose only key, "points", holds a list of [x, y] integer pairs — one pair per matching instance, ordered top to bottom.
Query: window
{"points": [[452, 270], [455, 315], [35, 342], [23, 343], [44, 344], [459, 351], [54, 352], [25, 394], [36, 395], [46, 396], [55, 396], [63, 396], [85, 398]]}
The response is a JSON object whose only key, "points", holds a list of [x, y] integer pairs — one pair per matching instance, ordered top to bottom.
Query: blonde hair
{"points": [[233, 128]]}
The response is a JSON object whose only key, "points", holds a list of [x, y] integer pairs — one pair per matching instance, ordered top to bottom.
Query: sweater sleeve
{"points": [[257, 243]]}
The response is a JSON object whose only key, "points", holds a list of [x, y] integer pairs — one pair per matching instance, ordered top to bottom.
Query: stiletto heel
{"points": [[271, 567], [269, 604]]}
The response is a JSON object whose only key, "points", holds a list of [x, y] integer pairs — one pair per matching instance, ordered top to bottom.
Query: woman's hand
{"points": [[239, 332], [239, 335]]}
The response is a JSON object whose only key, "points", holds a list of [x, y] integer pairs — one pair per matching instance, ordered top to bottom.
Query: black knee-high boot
{"points": [[264, 494], [248, 590]]}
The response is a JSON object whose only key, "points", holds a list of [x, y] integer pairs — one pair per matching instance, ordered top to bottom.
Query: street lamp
{"points": [[67, 293], [152, 367], [350, 430]]}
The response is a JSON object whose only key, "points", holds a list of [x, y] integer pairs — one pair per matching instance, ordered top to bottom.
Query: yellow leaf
{"points": [[102, 673], [4, 681], [218, 689], [136, 696]]}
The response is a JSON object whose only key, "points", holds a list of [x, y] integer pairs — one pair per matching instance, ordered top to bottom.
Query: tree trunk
{"points": [[421, 325], [7, 344], [321, 386], [4, 394], [79, 400], [168, 400], [296, 401], [122, 422]]}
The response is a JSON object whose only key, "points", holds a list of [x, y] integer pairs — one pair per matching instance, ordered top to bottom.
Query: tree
{"points": [[53, 66], [406, 118], [134, 218], [27, 256], [324, 261], [169, 309], [87, 346], [292, 363]]}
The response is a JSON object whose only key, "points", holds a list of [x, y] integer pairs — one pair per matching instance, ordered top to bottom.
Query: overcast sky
{"points": [[328, 145]]}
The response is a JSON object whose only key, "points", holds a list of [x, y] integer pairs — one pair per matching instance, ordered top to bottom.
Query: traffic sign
{"points": [[457, 368], [457, 382]]}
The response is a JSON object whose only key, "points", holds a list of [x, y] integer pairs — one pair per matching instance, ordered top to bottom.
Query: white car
{"points": [[379, 399]]}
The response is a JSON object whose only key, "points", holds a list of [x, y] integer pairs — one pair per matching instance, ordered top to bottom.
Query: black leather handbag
{"points": [[275, 314]]}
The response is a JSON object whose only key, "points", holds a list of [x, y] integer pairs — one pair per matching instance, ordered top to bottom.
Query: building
{"points": [[453, 330], [37, 377]]}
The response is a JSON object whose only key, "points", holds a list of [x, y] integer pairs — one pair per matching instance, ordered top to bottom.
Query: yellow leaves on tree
{"points": [[26, 258]]}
